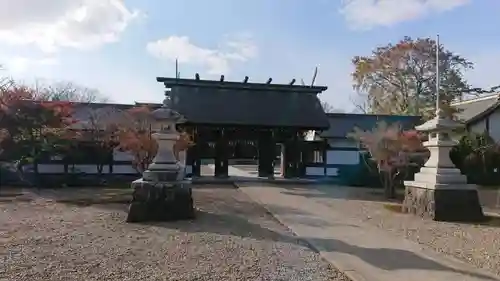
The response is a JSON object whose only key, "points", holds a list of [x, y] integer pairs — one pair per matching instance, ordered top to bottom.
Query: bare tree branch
{"points": [[68, 91]]}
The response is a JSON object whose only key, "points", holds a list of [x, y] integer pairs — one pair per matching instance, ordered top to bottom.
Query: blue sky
{"points": [[119, 47]]}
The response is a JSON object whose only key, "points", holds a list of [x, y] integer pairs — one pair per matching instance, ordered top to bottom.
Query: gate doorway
{"points": [[240, 123]]}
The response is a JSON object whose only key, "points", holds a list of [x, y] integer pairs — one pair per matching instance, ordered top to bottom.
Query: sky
{"points": [[120, 47]]}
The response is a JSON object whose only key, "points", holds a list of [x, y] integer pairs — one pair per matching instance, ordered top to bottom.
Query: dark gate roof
{"points": [[246, 104], [341, 124]]}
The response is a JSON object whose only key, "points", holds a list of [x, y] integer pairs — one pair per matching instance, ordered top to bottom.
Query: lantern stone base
{"points": [[161, 201], [443, 204]]}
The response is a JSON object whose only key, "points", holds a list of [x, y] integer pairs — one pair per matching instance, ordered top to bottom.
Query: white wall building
{"points": [[481, 114]]}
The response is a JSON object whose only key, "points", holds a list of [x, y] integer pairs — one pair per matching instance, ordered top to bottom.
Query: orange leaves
{"points": [[24, 115], [134, 136], [134, 141], [183, 143], [141, 145]]}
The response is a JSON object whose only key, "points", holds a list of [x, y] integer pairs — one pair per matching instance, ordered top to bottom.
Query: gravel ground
{"points": [[232, 239], [476, 244]]}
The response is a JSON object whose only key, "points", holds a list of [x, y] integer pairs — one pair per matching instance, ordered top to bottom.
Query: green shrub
{"points": [[478, 157]]}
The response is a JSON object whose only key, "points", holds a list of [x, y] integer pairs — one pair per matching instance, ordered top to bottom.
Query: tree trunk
{"points": [[389, 188]]}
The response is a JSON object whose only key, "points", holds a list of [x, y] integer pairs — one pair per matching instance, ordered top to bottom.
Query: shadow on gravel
{"points": [[214, 186], [229, 225], [234, 225], [388, 259]]}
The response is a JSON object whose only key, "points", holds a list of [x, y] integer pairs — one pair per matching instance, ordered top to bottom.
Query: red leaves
{"points": [[23, 112], [134, 136], [141, 145], [388, 145]]}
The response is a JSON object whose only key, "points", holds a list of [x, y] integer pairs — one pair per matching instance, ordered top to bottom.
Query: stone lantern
{"points": [[439, 190], [163, 193]]}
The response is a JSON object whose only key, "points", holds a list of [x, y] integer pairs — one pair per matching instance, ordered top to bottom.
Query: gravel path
{"points": [[232, 239], [476, 244]]}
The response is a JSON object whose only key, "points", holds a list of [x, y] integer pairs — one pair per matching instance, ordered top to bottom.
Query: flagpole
{"points": [[177, 69], [438, 102]]}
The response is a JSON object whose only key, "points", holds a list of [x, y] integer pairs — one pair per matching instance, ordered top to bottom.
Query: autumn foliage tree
{"points": [[401, 78], [31, 126], [98, 130], [135, 137], [393, 151]]}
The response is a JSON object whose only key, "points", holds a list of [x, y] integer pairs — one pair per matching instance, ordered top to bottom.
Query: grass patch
{"points": [[489, 187], [10, 194], [87, 197], [15, 199], [84, 202], [396, 208], [492, 221]]}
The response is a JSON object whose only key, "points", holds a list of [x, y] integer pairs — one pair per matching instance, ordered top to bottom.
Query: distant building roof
{"points": [[253, 104], [475, 109], [102, 114], [341, 124]]}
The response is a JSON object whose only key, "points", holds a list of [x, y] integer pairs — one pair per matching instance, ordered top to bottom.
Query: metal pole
{"points": [[176, 69], [438, 105]]}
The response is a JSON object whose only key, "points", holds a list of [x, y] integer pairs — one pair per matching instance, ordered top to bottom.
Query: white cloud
{"points": [[366, 14], [50, 25], [216, 60], [18, 65]]}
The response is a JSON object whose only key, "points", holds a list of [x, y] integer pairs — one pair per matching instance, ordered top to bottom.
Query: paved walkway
{"points": [[363, 252]]}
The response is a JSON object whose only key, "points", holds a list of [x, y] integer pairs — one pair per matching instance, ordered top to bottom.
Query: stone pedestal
{"points": [[439, 190], [163, 193], [161, 201], [443, 204]]}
